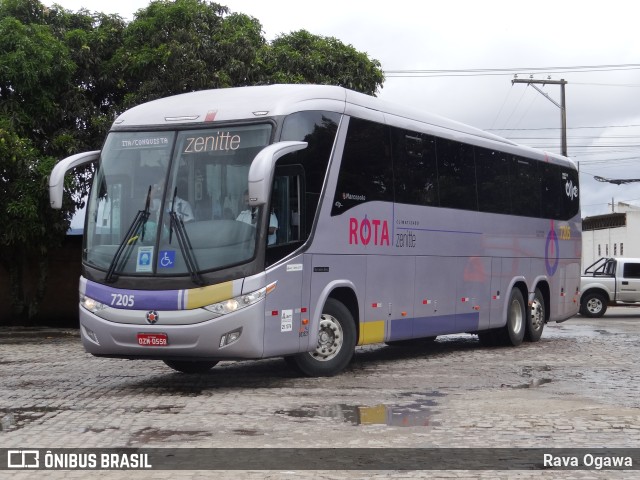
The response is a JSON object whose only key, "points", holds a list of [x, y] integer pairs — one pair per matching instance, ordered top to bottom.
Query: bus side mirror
{"points": [[261, 170], [56, 179]]}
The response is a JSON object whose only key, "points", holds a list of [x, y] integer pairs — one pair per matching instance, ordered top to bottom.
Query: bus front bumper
{"points": [[238, 335]]}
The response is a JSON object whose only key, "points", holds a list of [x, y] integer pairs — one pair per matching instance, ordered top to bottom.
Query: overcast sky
{"points": [[546, 39]]}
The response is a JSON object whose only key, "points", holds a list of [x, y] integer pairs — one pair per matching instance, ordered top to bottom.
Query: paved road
{"points": [[578, 387]]}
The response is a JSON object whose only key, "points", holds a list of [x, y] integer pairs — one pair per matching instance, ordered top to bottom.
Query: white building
{"points": [[612, 235]]}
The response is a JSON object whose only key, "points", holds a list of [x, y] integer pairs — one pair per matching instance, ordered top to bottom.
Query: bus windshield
{"points": [[174, 203]]}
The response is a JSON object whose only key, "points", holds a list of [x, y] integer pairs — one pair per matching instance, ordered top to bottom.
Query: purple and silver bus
{"points": [[301, 221]]}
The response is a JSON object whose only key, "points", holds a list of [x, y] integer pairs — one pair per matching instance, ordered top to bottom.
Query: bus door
{"points": [[389, 299], [285, 306]]}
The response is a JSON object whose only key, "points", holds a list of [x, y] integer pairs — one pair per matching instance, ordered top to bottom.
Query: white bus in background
{"points": [[391, 225]]}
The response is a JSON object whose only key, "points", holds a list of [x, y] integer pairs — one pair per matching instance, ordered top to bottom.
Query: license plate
{"points": [[153, 339]]}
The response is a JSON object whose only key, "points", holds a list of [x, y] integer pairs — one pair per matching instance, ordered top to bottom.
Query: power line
{"points": [[474, 72], [626, 85], [558, 128], [605, 137], [601, 146]]}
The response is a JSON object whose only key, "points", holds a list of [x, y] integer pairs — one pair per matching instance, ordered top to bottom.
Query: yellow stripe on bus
{"points": [[199, 297], [371, 332]]}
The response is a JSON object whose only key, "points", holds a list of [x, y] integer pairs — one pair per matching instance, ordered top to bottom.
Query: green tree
{"points": [[181, 46], [300, 57], [64, 76], [96, 92], [55, 94], [30, 228]]}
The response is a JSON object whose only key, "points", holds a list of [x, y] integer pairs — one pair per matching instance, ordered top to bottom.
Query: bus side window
{"points": [[415, 170], [492, 171], [366, 172], [456, 175], [525, 185], [287, 205], [286, 211]]}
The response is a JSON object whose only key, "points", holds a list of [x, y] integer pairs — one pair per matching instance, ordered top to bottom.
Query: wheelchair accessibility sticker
{"points": [[167, 259]]}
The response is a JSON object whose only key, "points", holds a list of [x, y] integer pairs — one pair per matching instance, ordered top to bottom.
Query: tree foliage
{"points": [[186, 45], [301, 57], [64, 76], [30, 228]]}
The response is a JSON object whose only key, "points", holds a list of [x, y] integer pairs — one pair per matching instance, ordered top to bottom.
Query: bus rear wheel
{"points": [[536, 318], [336, 343], [186, 366]]}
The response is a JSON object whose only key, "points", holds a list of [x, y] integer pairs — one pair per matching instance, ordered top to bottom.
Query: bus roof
{"points": [[242, 103]]}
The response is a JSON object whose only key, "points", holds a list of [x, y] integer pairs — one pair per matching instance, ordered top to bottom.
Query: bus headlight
{"points": [[238, 303], [90, 304]]}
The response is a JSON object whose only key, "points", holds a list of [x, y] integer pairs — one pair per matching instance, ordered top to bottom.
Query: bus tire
{"points": [[593, 305], [536, 318], [512, 334], [336, 343], [186, 366]]}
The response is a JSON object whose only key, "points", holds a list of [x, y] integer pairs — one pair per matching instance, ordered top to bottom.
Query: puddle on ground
{"points": [[577, 331], [532, 372], [534, 383], [155, 409], [415, 414], [19, 418], [247, 432], [156, 435]]}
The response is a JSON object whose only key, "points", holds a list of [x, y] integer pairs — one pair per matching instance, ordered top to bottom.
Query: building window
{"points": [[606, 248], [621, 248], [615, 249], [599, 251]]}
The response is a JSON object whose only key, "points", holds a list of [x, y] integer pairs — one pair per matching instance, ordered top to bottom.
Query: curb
{"points": [[38, 332]]}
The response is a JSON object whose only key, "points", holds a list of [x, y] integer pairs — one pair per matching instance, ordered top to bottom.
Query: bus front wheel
{"points": [[513, 332], [336, 343]]}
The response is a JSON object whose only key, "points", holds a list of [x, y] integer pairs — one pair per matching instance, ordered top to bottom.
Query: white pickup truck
{"points": [[610, 282]]}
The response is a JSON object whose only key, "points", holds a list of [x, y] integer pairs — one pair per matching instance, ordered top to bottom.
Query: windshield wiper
{"points": [[130, 239], [184, 242]]}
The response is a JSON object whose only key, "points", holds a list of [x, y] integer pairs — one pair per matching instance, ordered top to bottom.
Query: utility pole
{"points": [[561, 105]]}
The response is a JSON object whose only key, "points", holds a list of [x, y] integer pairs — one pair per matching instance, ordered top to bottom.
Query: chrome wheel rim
{"points": [[594, 305], [537, 314], [515, 316], [330, 339]]}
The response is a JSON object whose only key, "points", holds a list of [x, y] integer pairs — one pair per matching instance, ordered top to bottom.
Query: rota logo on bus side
{"points": [[364, 232]]}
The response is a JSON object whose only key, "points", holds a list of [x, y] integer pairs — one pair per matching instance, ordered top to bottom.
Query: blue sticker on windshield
{"points": [[145, 257], [166, 259]]}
